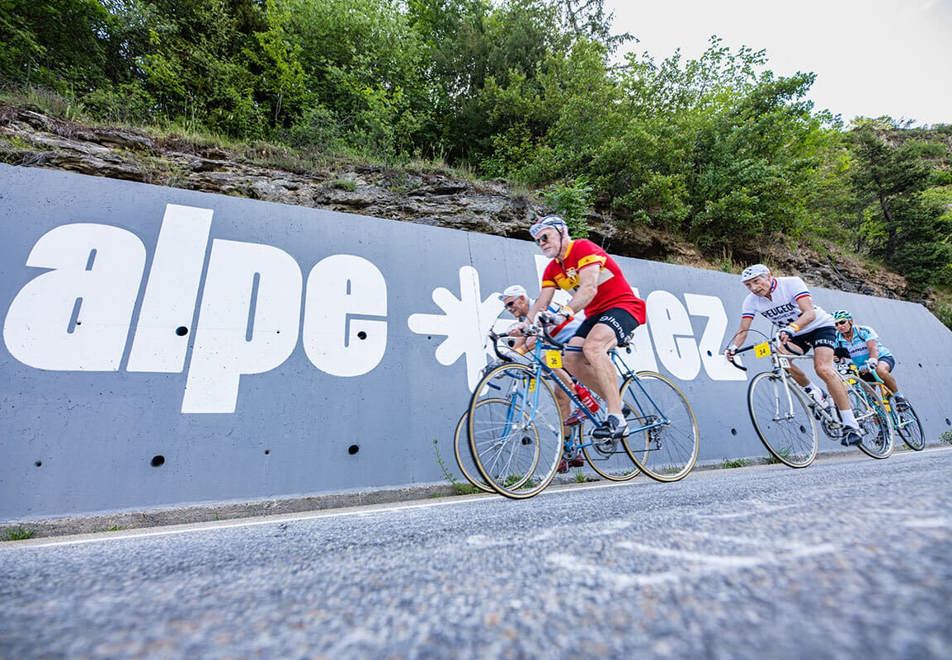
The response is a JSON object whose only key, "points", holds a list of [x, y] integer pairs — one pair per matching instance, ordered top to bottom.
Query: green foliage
{"points": [[718, 149], [573, 201], [729, 464], [18, 534]]}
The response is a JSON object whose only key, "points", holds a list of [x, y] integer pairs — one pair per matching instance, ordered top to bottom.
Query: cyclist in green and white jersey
{"points": [[867, 352]]}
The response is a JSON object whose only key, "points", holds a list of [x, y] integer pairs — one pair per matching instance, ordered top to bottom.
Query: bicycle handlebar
{"points": [[793, 348]]}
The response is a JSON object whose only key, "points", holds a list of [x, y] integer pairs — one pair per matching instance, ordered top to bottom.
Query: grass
{"points": [[344, 184], [946, 437], [773, 460], [728, 464], [580, 477], [459, 488], [19, 534]]}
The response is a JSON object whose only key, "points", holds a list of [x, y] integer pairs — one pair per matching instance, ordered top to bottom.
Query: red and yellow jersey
{"points": [[613, 289]]}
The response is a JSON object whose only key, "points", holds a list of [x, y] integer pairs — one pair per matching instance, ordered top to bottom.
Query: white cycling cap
{"points": [[753, 271], [513, 291]]}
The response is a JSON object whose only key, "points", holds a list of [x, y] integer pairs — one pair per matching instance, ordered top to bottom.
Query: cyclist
{"points": [[517, 302], [786, 302], [612, 311], [867, 352]]}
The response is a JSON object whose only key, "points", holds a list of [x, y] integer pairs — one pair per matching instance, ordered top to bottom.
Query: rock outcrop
{"points": [[423, 195]]}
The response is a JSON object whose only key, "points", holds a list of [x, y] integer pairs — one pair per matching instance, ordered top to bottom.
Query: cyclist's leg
{"points": [[884, 370], [601, 371], [796, 372]]}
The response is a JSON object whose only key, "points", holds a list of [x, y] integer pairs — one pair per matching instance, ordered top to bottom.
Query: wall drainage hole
{"points": [[181, 331], [361, 335], [920, 364], [948, 422], [733, 431], [353, 449], [267, 452], [157, 461], [40, 463]]}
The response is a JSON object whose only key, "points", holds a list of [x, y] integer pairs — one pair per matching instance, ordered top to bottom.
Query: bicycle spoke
{"points": [[782, 420]]}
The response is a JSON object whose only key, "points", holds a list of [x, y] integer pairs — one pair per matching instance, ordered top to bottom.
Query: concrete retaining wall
{"points": [[166, 347]]}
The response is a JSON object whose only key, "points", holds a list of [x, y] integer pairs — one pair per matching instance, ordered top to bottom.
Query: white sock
{"points": [[812, 386], [619, 418], [848, 418]]}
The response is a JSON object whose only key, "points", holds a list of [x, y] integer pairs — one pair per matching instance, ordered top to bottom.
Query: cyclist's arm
{"points": [[587, 287], [545, 297], [807, 313], [741, 333], [873, 349]]}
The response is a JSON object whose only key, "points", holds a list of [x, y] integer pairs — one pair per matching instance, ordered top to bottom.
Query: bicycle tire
{"points": [[874, 423], [532, 425], [909, 427], [790, 438], [461, 449], [669, 452]]}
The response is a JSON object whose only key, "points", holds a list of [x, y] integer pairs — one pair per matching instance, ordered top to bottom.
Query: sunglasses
{"points": [[544, 238], [511, 304], [840, 322]]}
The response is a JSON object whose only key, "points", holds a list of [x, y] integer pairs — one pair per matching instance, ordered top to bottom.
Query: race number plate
{"points": [[762, 349], [553, 359], [785, 363]]}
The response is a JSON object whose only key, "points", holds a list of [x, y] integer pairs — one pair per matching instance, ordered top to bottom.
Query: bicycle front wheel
{"points": [[782, 419], [874, 426], [909, 427], [515, 431], [666, 448]]}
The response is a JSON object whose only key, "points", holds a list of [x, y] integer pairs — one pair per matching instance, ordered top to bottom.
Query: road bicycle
{"points": [[785, 416], [902, 417], [517, 438]]}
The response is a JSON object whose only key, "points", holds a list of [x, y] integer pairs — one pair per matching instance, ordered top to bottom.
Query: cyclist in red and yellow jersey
{"points": [[612, 311]]}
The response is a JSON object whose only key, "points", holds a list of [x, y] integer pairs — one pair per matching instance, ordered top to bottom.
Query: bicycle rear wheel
{"points": [[782, 419], [874, 425], [909, 427], [515, 431], [668, 449], [464, 457]]}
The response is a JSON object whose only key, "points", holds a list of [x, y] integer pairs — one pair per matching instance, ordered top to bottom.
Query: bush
{"points": [[573, 201]]}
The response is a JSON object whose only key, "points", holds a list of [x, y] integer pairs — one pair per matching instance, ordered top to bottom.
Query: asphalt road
{"points": [[849, 558]]}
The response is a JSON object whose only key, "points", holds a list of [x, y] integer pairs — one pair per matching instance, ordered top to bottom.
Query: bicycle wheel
{"points": [[782, 419], [874, 425], [909, 427], [515, 431], [667, 450], [464, 457], [608, 458]]}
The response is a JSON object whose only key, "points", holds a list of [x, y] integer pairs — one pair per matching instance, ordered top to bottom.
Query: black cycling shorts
{"points": [[616, 318], [825, 336], [888, 359]]}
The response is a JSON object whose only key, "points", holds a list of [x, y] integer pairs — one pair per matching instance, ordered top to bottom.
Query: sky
{"points": [[871, 57]]}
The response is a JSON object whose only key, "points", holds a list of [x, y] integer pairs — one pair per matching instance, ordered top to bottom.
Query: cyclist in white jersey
{"points": [[786, 302]]}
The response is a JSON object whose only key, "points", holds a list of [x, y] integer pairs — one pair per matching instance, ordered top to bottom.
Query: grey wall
{"points": [[281, 370]]}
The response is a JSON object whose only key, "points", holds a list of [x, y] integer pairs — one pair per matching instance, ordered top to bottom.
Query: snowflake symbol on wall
{"points": [[465, 323]]}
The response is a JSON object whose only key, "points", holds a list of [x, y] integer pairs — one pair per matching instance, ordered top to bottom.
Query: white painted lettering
{"points": [[341, 291], [76, 317], [248, 323], [673, 335]]}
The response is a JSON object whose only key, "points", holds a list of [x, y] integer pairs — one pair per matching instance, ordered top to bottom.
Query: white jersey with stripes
{"points": [[781, 307]]}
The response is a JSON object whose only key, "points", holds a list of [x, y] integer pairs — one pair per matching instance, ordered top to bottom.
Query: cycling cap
{"points": [[554, 221], [753, 271], [513, 291], [842, 315]]}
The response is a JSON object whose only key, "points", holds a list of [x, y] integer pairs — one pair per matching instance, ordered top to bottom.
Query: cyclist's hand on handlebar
{"points": [[518, 330], [730, 351], [871, 364]]}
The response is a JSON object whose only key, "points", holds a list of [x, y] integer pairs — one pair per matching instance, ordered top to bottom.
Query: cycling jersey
{"points": [[613, 290], [781, 307], [859, 351]]}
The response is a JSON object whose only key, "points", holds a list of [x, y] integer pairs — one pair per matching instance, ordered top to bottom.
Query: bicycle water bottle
{"points": [[586, 397]]}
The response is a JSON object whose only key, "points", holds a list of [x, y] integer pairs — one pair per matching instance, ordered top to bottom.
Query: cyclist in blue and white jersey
{"points": [[786, 302], [867, 352]]}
